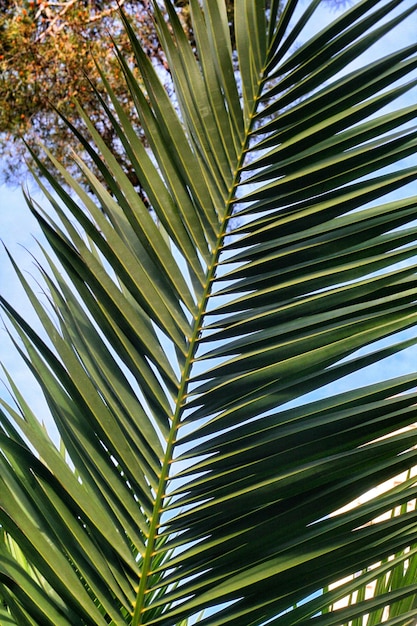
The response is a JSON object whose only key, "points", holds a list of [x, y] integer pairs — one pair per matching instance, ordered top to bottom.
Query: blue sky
{"points": [[18, 231]]}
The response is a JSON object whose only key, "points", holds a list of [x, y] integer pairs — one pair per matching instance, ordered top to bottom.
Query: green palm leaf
{"points": [[197, 480]]}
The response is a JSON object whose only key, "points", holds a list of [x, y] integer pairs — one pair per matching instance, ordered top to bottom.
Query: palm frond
{"points": [[180, 341]]}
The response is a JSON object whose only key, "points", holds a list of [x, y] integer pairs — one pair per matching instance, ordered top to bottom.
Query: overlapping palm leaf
{"points": [[182, 338]]}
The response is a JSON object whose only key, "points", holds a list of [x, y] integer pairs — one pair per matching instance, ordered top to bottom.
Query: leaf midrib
{"points": [[179, 408], [139, 611]]}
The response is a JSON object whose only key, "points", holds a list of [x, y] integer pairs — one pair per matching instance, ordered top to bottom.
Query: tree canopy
{"points": [[49, 53]]}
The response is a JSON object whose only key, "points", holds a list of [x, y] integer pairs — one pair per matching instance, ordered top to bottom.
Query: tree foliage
{"points": [[48, 56]]}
